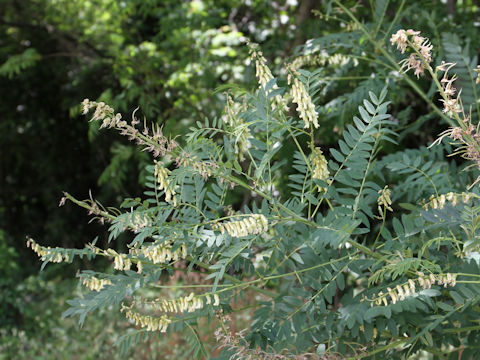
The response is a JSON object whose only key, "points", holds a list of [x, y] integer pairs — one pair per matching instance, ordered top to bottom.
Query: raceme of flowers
{"points": [[405, 38], [321, 59], [264, 75], [451, 104], [305, 106], [242, 132], [465, 132], [153, 142], [320, 167], [204, 168], [161, 173], [384, 202], [438, 202], [139, 222], [250, 225], [47, 253], [161, 254], [94, 283], [401, 291], [188, 303], [151, 323]]}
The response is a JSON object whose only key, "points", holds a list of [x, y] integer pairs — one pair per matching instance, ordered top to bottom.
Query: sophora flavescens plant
{"points": [[328, 258]]}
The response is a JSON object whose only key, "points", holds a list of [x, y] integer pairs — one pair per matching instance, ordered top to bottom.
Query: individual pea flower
{"points": [[400, 39], [477, 70], [446, 82], [451, 105], [86, 106], [411, 284], [401, 294], [393, 295], [382, 298], [216, 300]]}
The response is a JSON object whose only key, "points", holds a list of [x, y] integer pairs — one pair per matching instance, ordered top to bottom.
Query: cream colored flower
{"points": [[416, 61], [264, 76], [305, 106], [320, 167], [164, 183], [384, 201], [250, 225], [94, 283]]}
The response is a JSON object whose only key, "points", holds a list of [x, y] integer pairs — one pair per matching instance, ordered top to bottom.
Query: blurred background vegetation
{"points": [[166, 57]]}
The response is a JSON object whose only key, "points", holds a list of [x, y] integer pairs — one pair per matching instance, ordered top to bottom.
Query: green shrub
{"points": [[359, 249]]}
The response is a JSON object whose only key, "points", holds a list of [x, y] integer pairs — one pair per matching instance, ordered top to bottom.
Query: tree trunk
{"points": [[451, 5]]}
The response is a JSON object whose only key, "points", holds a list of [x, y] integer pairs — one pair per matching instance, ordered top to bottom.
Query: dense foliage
{"points": [[53, 53], [310, 206]]}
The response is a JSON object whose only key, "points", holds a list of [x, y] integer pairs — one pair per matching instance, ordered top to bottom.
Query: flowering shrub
{"points": [[338, 268]]}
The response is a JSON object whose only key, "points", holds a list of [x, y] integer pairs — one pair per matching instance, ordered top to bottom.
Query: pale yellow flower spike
{"points": [[403, 39], [264, 75], [305, 106], [320, 168], [164, 184], [384, 201], [253, 224], [46, 252], [161, 254], [95, 284], [402, 291], [146, 321]]}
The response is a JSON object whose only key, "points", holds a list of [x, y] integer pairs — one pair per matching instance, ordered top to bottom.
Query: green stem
{"points": [[462, 329], [378, 350]]}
